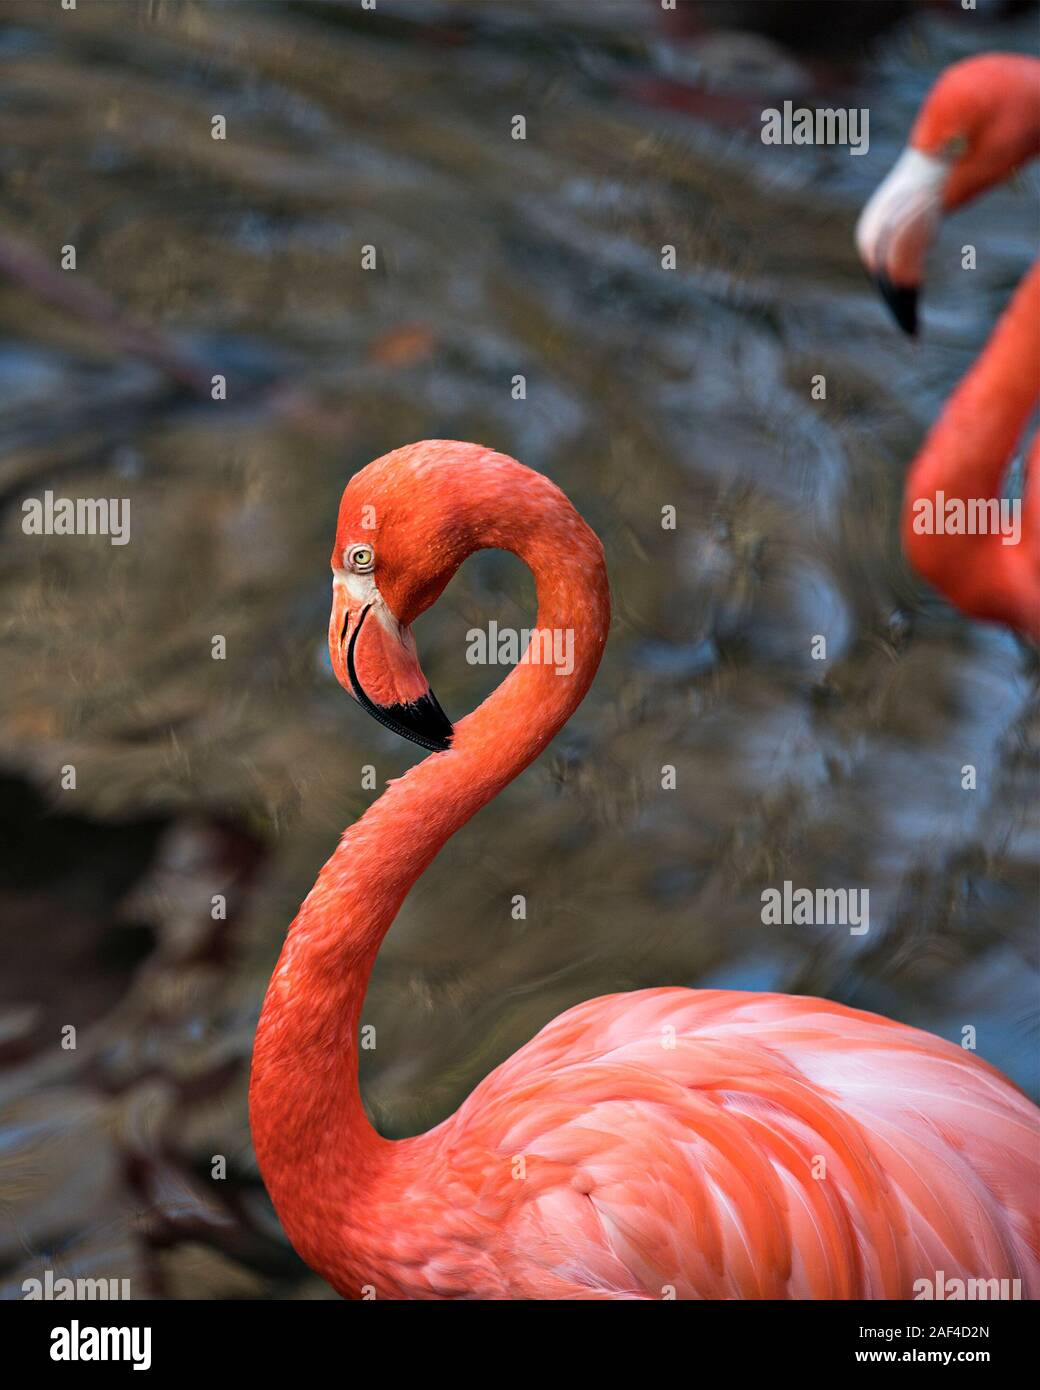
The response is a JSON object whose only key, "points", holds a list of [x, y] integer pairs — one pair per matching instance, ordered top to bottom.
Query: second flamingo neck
{"points": [[968, 450]]}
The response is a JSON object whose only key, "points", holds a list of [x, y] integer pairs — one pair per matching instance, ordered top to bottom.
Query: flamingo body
{"points": [[712, 1145]]}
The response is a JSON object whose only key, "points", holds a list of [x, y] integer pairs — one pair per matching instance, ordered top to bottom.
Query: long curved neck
{"points": [[964, 460], [310, 1130]]}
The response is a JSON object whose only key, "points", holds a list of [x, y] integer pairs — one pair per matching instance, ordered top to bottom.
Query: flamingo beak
{"points": [[896, 228], [901, 300], [374, 658]]}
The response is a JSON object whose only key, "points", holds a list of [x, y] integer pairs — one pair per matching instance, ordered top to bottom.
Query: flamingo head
{"points": [[979, 122], [395, 550]]}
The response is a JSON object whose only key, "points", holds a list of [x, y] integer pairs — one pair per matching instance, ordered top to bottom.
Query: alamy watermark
{"points": [[806, 125], [81, 516], [972, 516], [509, 646], [820, 907], [60, 1287], [942, 1289], [81, 1342]]}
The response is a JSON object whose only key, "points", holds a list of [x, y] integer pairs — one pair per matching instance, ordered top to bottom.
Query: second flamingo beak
{"points": [[896, 228], [902, 302], [374, 658]]}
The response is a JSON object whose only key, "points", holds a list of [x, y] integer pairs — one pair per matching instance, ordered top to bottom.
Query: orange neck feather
{"points": [[966, 455]]}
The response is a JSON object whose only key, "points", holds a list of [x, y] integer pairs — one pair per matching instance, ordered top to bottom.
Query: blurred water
{"points": [[645, 388]]}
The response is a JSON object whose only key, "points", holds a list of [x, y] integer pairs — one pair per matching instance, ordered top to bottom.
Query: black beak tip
{"points": [[902, 301], [423, 722], [429, 723]]}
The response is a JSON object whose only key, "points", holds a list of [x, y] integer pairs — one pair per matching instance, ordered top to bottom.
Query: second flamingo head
{"points": [[979, 122]]}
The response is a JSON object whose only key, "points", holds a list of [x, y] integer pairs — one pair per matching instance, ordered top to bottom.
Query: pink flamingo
{"points": [[979, 123], [662, 1143]]}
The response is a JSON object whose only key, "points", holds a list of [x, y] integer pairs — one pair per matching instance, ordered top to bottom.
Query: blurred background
{"points": [[645, 388]]}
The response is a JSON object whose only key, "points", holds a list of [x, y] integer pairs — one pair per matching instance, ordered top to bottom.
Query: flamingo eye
{"points": [[954, 148], [361, 558]]}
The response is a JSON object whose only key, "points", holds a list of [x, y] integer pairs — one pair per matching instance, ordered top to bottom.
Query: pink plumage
{"points": [[715, 1144]]}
